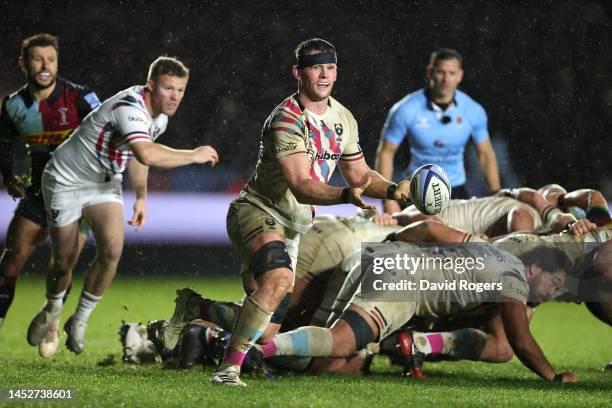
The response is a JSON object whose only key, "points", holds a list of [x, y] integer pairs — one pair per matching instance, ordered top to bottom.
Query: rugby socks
{"points": [[68, 289], [7, 293], [55, 302], [87, 303], [223, 314], [250, 325], [306, 341], [462, 344]]}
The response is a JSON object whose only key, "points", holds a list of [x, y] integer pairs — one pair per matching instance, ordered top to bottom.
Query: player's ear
{"points": [[22, 64], [428, 71], [297, 74], [460, 76], [150, 85]]}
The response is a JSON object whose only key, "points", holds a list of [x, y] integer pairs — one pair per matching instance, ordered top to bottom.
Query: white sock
{"points": [[55, 302], [87, 303]]}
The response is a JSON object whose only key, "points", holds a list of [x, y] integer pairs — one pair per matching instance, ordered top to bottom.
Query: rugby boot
{"points": [[187, 308], [41, 325], [75, 329], [414, 363], [229, 376]]}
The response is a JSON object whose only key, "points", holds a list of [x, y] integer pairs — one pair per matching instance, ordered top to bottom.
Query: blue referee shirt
{"points": [[431, 140]]}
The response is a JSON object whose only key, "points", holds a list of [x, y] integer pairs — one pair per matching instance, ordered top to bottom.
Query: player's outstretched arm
{"points": [[159, 155], [356, 172], [309, 191], [514, 316]]}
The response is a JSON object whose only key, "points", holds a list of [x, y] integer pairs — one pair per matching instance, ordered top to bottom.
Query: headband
{"points": [[305, 61]]}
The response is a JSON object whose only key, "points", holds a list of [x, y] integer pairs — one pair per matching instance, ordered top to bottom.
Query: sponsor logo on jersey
{"points": [[92, 99], [136, 119], [422, 122], [48, 138], [286, 148], [323, 156]]}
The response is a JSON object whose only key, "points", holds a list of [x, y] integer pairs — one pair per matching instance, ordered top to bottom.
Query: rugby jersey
{"points": [[42, 125], [291, 129], [100, 148]]}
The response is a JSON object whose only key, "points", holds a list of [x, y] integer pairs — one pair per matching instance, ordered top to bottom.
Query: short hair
{"points": [[38, 40], [314, 44], [444, 54], [167, 66], [549, 258]]}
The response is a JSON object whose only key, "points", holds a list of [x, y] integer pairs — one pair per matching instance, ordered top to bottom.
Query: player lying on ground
{"points": [[83, 180], [511, 210], [535, 278]]}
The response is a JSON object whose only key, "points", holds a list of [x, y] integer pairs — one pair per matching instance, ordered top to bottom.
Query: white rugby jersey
{"points": [[99, 149], [478, 215]]}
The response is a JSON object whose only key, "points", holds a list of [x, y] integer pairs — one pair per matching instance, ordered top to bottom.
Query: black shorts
{"points": [[32, 207]]}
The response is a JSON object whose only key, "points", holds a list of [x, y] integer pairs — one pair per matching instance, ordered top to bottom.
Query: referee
{"points": [[438, 121]]}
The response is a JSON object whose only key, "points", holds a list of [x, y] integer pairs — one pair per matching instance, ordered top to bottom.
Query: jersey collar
{"points": [[59, 87], [431, 105]]}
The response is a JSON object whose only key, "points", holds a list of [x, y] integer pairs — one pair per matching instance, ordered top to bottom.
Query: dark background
{"points": [[540, 68]]}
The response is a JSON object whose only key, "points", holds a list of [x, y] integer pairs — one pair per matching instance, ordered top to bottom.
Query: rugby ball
{"points": [[430, 189]]}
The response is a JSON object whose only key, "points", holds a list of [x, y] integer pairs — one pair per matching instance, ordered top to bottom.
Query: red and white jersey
{"points": [[99, 149]]}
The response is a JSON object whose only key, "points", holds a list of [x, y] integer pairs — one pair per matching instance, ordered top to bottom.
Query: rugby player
{"points": [[43, 114], [303, 140], [83, 179], [319, 275], [535, 277], [479, 334]]}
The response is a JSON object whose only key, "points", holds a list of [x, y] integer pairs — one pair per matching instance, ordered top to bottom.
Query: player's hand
{"points": [[205, 154], [14, 189], [355, 193], [402, 194], [391, 207], [140, 213], [384, 220], [582, 227], [568, 377]]}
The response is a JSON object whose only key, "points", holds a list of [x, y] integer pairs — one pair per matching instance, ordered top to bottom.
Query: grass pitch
{"points": [[571, 338]]}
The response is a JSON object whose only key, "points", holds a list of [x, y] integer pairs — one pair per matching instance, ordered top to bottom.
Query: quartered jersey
{"points": [[42, 125], [293, 129], [100, 148]]}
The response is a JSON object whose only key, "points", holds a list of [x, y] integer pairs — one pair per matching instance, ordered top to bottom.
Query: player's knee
{"points": [[110, 253], [11, 264], [272, 265], [361, 332], [269, 333], [504, 353]]}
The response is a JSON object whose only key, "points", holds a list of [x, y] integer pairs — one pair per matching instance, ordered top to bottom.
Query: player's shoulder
{"points": [[73, 86], [15, 97], [130, 98], [465, 100], [410, 103], [287, 108], [340, 109]]}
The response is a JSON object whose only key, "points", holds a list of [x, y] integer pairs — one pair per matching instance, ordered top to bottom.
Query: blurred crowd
{"points": [[540, 68]]}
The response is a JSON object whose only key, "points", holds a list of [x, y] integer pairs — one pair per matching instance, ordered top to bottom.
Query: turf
{"points": [[570, 336]]}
